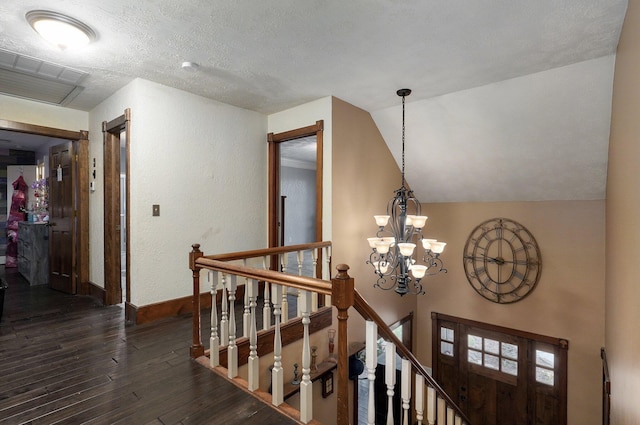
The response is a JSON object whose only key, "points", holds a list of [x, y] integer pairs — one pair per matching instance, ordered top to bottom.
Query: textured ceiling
{"points": [[269, 56]]}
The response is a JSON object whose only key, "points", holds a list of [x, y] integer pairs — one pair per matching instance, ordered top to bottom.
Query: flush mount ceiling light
{"points": [[62, 31]]}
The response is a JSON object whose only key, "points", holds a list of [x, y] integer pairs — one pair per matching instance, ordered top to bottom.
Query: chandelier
{"points": [[395, 256]]}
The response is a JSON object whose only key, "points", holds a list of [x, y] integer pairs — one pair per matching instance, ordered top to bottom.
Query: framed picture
{"points": [[327, 384]]}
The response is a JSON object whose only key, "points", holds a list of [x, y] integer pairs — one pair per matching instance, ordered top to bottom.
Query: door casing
{"points": [[274, 141], [112, 242]]}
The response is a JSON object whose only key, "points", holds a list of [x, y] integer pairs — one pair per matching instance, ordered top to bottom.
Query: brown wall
{"points": [[623, 227]]}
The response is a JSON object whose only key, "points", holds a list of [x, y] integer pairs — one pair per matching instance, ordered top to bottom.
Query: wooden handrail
{"points": [[240, 255], [299, 282], [368, 313]]}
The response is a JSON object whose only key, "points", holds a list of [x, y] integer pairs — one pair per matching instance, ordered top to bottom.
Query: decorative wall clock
{"points": [[502, 260]]}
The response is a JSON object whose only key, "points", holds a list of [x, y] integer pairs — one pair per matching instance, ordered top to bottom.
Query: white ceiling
{"points": [[511, 99]]}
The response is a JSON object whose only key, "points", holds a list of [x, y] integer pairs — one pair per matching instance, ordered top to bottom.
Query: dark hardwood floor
{"points": [[69, 360]]}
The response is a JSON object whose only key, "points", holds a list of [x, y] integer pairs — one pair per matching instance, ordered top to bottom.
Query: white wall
{"points": [[20, 110], [303, 116], [204, 163]]}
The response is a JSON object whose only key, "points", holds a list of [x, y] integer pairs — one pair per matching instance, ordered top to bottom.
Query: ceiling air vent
{"points": [[34, 79]]}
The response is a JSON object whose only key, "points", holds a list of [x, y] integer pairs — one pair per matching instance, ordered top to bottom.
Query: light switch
{"points": [[156, 210]]}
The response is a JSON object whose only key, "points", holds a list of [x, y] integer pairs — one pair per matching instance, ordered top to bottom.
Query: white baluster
{"points": [[300, 259], [326, 271], [314, 295], [266, 308], [284, 311], [246, 314], [224, 319], [214, 340], [232, 349], [372, 362], [253, 364], [390, 378], [277, 381], [306, 386], [405, 388], [419, 399], [431, 406], [442, 411], [450, 414], [458, 420]]}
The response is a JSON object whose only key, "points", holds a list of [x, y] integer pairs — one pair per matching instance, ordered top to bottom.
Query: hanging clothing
{"points": [[16, 214]]}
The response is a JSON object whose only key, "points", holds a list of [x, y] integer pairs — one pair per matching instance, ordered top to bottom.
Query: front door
{"points": [[62, 241], [501, 376]]}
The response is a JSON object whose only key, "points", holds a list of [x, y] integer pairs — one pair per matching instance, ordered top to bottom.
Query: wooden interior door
{"points": [[62, 241]]}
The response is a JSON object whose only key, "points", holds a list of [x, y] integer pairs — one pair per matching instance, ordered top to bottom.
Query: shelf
{"points": [[323, 368]]}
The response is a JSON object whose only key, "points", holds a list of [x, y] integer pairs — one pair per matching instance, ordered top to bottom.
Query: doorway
{"points": [[295, 186], [72, 256], [117, 259]]}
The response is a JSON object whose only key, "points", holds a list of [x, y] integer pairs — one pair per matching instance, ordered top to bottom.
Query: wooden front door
{"points": [[62, 241], [501, 376]]}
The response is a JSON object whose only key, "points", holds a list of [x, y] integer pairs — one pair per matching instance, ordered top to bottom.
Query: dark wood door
{"points": [[62, 239], [501, 376], [491, 392]]}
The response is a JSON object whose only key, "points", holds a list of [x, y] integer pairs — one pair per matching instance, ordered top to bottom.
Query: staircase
{"points": [[258, 360]]}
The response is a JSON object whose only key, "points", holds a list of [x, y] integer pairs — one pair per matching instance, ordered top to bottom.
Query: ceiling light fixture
{"points": [[62, 31], [190, 66], [394, 254]]}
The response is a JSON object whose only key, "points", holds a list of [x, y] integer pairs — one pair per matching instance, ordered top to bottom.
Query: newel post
{"points": [[342, 298], [197, 349]]}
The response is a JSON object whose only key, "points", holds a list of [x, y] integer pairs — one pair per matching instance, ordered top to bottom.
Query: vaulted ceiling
{"points": [[511, 99]]}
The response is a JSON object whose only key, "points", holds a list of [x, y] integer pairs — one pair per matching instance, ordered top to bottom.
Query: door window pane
{"points": [[446, 334], [475, 342], [491, 346], [446, 348], [510, 351], [475, 357], [545, 359], [492, 362], [510, 367], [544, 376]]}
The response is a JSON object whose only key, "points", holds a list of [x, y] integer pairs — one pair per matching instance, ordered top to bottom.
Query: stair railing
{"points": [[223, 275], [439, 409]]}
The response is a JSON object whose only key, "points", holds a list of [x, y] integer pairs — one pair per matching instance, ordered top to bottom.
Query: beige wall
{"points": [[623, 228], [568, 301]]}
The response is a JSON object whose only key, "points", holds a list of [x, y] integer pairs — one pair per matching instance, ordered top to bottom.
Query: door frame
{"points": [[274, 140], [80, 141], [112, 254]]}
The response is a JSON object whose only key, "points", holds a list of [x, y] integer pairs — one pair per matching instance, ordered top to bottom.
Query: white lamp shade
{"points": [[381, 220], [408, 221], [419, 221], [372, 242], [426, 243], [382, 247], [437, 247], [406, 249], [381, 266], [418, 271]]}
